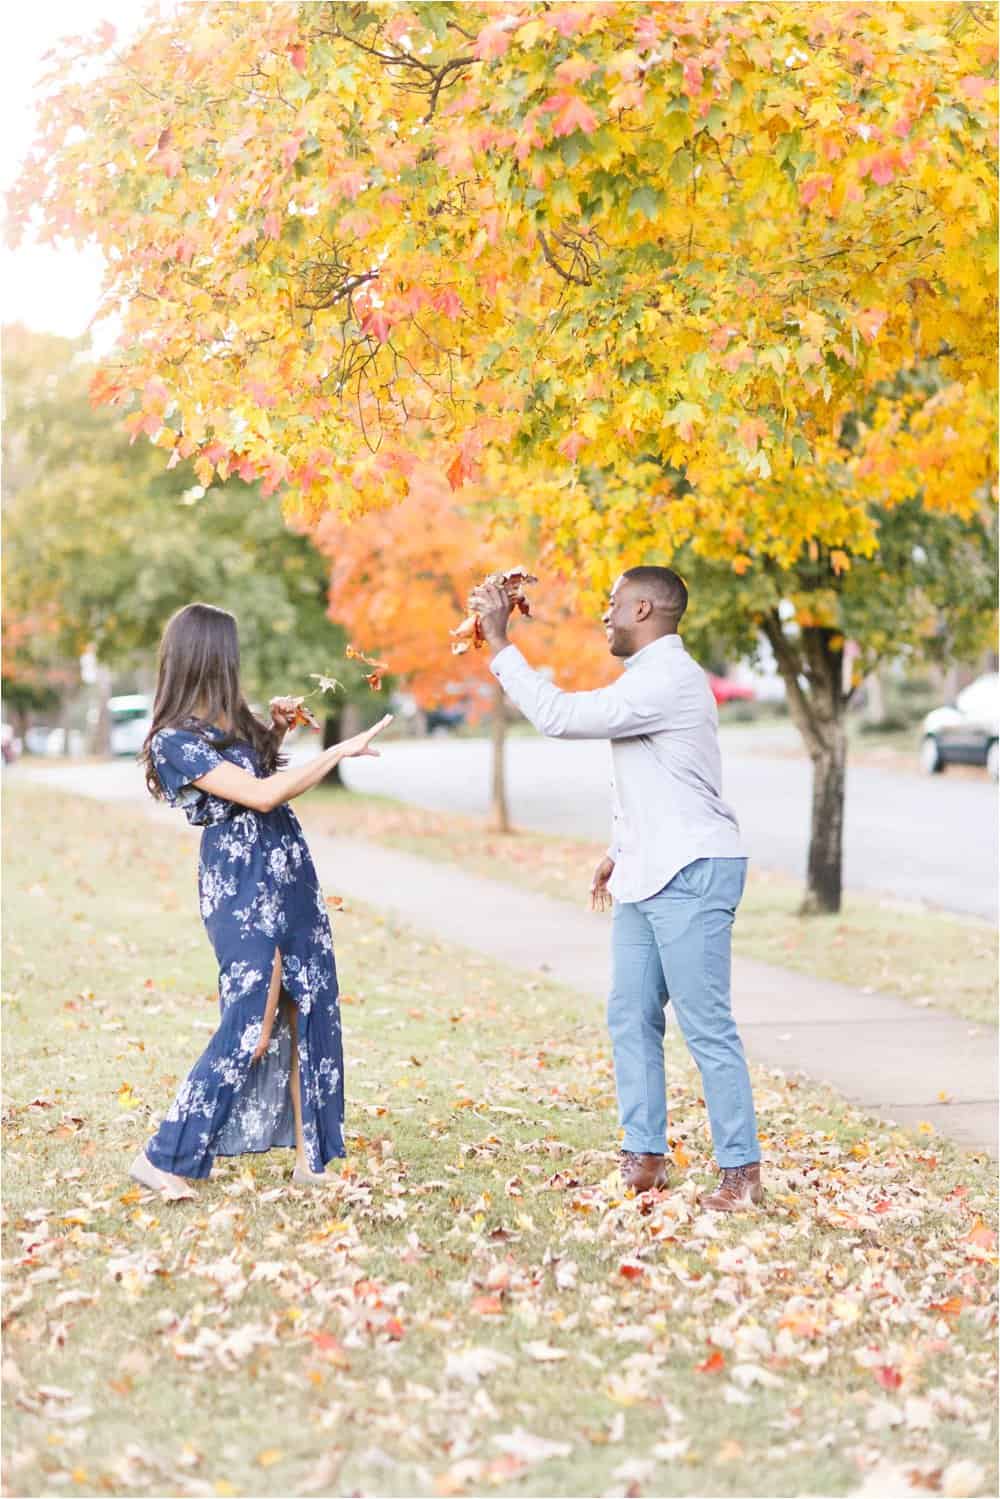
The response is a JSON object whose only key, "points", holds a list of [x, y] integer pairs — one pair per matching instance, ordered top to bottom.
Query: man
{"points": [[675, 869]]}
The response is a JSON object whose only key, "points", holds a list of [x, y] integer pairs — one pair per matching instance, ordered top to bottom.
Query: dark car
{"points": [[444, 720], [965, 732]]}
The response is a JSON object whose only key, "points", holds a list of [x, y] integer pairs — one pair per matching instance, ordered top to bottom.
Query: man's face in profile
{"points": [[619, 619]]}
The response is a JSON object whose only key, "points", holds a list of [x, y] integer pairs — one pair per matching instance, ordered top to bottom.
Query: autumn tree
{"points": [[572, 249], [400, 580]]}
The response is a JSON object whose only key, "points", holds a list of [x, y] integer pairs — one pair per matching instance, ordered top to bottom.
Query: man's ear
{"points": [[643, 609]]}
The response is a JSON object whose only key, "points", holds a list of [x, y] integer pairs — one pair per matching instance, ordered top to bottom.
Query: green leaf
{"points": [[648, 201]]}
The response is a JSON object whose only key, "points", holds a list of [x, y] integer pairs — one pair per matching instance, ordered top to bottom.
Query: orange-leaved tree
{"points": [[400, 580]]}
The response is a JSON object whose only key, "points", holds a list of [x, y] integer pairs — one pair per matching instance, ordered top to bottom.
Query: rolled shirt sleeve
{"points": [[620, 711]]}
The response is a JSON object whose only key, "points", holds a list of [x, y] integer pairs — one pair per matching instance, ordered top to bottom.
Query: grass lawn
{"points": [[936, 960], [473, 1307]]}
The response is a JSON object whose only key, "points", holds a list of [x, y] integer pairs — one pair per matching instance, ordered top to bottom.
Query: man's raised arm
{"points": [[615, 712]]}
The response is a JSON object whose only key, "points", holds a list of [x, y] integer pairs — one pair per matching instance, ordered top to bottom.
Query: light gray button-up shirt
{"points": [[663, 724]]}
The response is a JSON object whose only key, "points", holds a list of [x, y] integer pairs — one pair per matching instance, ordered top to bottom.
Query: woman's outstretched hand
{"points": [[360, 744]]}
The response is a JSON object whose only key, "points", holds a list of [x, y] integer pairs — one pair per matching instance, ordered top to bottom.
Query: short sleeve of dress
{"points": [[181, 757]]}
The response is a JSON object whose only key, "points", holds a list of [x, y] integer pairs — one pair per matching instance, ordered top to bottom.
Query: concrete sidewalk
{"points": [[880, 1052]]}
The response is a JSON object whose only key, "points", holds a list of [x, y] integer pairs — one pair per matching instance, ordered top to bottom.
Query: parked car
{"points": [[725, 690], [131, 718], [444, 720], [965, 732]]}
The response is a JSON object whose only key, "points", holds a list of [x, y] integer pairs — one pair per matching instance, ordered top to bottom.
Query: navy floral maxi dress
{"points": [[259, 895]]}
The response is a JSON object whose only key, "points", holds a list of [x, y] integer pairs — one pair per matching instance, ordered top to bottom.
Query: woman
{"points": [[273, 1072]]}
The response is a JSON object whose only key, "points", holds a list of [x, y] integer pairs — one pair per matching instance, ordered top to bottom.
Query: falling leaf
{"points": [[326, 684]]}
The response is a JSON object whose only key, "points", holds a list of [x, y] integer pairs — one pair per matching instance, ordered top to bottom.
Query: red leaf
{"points": [[492, 41], [694, 77], [974, 86], [571, 113], [818, 182], [448, 303], [376, 323], [571, 445], [460, 469], [631, 1272], [487, 1306], [329, 1349], [714, 1364], [888, 1377]]}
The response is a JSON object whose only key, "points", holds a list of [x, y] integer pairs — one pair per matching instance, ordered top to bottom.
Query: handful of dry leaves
{"points": [[470, 631]]}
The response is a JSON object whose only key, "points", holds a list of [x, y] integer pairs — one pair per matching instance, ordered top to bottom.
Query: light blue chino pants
{"points": [[677, 946]]}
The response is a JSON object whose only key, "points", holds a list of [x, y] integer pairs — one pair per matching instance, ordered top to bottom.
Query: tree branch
{"points": [[561, 270]]}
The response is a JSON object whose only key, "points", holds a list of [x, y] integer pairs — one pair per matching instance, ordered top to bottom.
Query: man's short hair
{"points": [[662, 586]]}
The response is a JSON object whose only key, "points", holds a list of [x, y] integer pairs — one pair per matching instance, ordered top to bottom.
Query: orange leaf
{"points": [[981, 1235], [487, 1306], [950, 1308], [800, 1324], [714, 1364]]}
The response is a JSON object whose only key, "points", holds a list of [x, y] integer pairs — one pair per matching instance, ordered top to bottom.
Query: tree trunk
{"points": [[875, 698], [818, 711], [65, 719], [332, 734], [100, 743], [498, 790], [826, 838]]}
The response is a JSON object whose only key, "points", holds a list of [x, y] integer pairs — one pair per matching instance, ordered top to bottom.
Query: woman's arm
{"points": [[265, 793]]}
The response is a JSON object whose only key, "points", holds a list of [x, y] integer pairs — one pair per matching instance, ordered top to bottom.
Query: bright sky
{"points": [[53, 291]]}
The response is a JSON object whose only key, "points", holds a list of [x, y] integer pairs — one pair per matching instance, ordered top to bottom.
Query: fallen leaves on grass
{"points": [[477, 1304]]}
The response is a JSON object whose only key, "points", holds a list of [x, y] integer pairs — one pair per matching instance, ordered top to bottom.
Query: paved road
{"points": [[916, 838]]}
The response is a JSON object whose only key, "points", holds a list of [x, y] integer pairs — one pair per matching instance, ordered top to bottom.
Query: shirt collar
{"points": [[653, 649]]}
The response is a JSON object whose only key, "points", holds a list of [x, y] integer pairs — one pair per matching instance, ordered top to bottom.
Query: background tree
{"points": [[573, 248], [102, 544], [400, 580]]}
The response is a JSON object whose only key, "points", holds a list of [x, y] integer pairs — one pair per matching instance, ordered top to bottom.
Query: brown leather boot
{"points": [[643, 1172], [739, 1189]]}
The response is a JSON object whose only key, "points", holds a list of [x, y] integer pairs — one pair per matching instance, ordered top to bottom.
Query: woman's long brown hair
{"points": [[198, 683]]}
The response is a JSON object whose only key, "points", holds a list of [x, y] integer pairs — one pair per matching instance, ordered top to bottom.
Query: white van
{"points": [[131, 717]]}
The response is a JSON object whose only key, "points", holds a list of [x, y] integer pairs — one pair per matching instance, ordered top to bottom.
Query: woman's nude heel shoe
{"points": [[146, 1174], [303, 1177]]}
